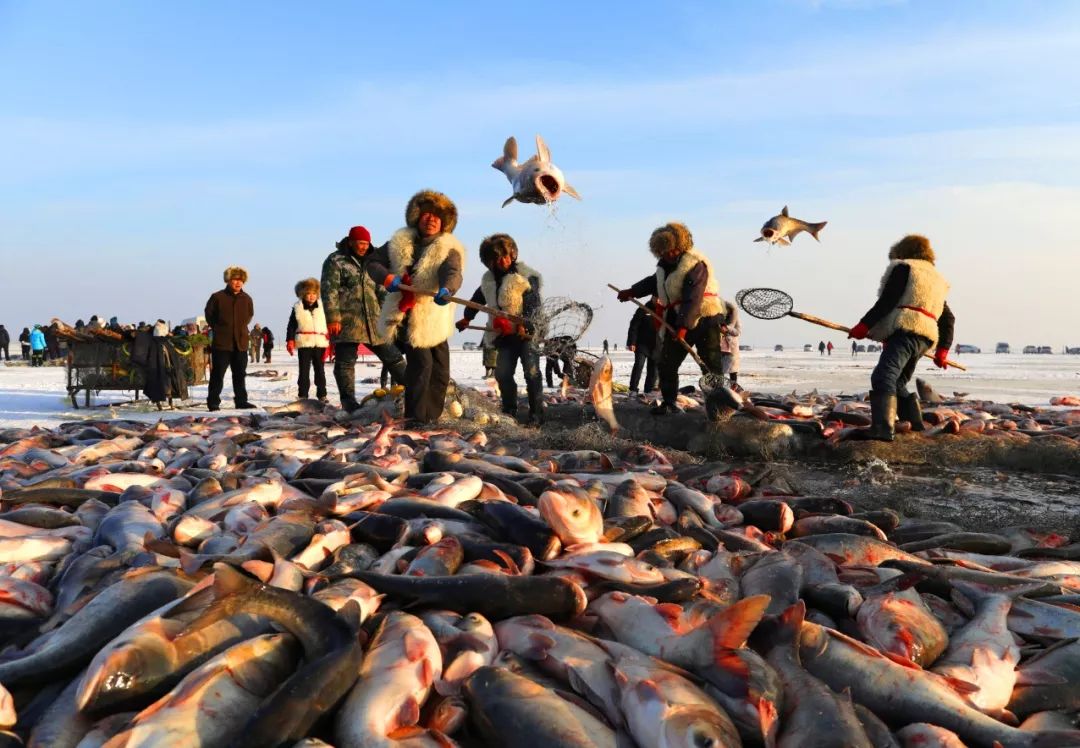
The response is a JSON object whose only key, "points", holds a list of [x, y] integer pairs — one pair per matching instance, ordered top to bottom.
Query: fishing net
{"points": [[764, 303], [560, 323]]}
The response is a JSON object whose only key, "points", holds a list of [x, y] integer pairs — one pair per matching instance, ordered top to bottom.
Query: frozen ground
{"points": [[38, 396]]}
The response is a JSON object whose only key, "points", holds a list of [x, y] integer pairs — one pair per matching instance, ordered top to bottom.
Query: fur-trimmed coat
{"points": [[431, 265], [687, 291], [517, 292], [351, 297], [920, 306], [229, 315], [307, 326]]}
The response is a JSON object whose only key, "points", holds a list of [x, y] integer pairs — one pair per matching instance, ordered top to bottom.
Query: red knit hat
{"points": [[359, 232]]}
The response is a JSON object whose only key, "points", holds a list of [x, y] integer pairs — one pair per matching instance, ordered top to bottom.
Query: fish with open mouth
{"points": [[536, 180]]}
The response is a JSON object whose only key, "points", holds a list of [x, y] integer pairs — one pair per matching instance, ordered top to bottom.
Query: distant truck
{"points": [[746, 347], [778, 348], [807, 348], [963, 348], [1002, 348], [1031, 349], [1073, 351]]}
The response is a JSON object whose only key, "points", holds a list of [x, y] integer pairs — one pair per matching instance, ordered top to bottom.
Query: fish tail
{"points": [[814, 228]]}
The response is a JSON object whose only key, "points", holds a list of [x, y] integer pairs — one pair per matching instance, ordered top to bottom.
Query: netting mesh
{"points": [[764, 303], [560, 323]]}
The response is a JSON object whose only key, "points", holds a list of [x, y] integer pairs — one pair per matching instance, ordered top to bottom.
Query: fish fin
{"points": [[510, 154], [543, 155], [567, 189], [508, 200], [784, 212], [814, 228], [760, 239], [783, 240], [507, 559], [190, 563], [263, 570], [670, 612], [352, 614], [791, 621], [732, 626], [539, 644], [414, 646], [729, 661], [961, 686], [1004, 715], [407, 716], [768, 721]]}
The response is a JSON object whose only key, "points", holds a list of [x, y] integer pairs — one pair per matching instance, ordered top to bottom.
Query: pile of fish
{"points": [[290, 579]]}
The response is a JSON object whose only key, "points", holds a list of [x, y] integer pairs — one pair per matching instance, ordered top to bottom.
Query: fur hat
{"points": [[430, 201], [671, 236], [497, 245], [912, 247], [235, 271], [306, 286]]}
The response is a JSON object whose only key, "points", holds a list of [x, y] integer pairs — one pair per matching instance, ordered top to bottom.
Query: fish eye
{"points": [[701, 740]]}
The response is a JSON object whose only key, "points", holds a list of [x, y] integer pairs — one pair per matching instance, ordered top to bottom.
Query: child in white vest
{"points": [[307, 334]]}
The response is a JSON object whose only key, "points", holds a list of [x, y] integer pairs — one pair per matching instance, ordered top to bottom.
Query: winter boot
{"points": [[666, 407], [907, 409], [882, 416]]}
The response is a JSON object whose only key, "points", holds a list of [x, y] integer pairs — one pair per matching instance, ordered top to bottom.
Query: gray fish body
{"points": [[782, 228]]}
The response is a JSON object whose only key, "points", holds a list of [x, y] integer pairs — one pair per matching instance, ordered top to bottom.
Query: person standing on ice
{"points": [[427, 256], [513, 287], [688, 298], [351, 300], [228, 313], [910, 316], [730, 330], [307, 336], [5, 341], [24, 341], [641, 341], [255, 343], [267, 343], [37, 346], [821, 347], [829, 347], [854, 348]]}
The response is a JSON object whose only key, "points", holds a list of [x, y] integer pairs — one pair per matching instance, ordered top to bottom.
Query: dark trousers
{"points": [[706, 339], [511, 351], [25, 353], [266, 353], [7, 356], [899, 357], [37, 358], [311, 358], [643, 358], [219, 362], [551, 366], [345, 368], [427, 375]]}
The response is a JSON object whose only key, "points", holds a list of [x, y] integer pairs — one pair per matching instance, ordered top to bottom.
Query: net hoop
{"points": [[764, 303]]}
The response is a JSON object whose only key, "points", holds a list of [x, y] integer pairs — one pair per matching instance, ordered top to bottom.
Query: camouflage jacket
{"points": [[351, 297]]}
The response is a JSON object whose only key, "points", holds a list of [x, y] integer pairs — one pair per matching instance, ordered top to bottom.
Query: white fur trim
{"points": [[670, 287], [926, 289], [510, 297], [430, 324], [310, 326]]}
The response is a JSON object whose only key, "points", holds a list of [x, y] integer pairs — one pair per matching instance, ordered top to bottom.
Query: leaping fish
{"points": [[535, 181]]}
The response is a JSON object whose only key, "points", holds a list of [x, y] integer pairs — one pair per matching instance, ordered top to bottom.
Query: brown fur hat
{"points": [[430, 201], [671, 235], [497, 245], [912, 247], [235, 271], [306, 286]]}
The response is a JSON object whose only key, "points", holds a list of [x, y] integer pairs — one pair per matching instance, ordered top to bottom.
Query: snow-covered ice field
{"points": [[38, 397]]}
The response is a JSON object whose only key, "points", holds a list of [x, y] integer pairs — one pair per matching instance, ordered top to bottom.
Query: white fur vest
{"points": [[669, 288], [510, 296], [920, 306], [429, 323], [310, 326]]}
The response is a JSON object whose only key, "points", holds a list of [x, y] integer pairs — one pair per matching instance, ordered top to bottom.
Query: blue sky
{"points": [[147, 145]]}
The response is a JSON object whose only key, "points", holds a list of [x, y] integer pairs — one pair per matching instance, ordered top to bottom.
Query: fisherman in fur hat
{"points": [[426, 256], [512, 287], [688, 299], [352, 302], [228, 313], [909, 318], [307, 334]]}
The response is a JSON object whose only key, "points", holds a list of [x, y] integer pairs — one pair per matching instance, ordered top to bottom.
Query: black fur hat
{"points": [[430, 201], [671, 236], [497, 245], [912, 247]]}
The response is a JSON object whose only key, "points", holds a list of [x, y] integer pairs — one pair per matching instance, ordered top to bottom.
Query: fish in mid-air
{"points": [[535, 181], [783, 228]]}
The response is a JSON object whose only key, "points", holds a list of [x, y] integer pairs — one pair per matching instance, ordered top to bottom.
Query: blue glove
{"points": [[392, 282], [442, 298]]}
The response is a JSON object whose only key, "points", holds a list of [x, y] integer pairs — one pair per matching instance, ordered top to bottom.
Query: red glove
{"points": [[625, 295], [408, 298], [461, 324], [502, 326], [333, 329], [859, 331], [681, 334], [290, 346], [326, 354], [939, 357]]}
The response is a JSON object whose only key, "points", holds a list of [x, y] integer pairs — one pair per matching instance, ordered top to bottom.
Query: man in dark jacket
{"points": [[427, 256], [351, 301], [228, 312], [910, 317], [5, 341], [24, 341], [641, 341], [267, 343]]}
